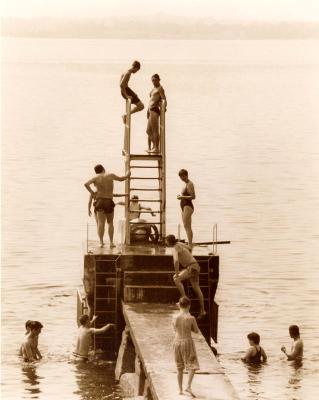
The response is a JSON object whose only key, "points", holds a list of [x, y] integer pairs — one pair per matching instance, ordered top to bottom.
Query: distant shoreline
{"points": [[156, 28]]}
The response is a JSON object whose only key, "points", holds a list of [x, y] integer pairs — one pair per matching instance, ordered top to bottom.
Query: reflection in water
{"points": [[254, 378], [32, 381], [96, 381]]}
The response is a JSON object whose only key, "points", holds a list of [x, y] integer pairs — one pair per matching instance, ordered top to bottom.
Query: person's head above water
{"points": [[136, 66], [156, 80], [99, 169], [183, 174], [134, 198], [170, 240], [184, 303], [84, 319], [28, 325], [294, 331], [253, 338]]}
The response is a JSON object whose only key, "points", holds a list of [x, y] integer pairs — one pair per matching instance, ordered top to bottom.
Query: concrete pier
{"points": [[151, 333]]}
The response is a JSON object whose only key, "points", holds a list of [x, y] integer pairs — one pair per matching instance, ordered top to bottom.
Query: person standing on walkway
{"points": [[127, 92], [157, 94], [103, 196], [186, 198], [182, 255], [184, 348]]}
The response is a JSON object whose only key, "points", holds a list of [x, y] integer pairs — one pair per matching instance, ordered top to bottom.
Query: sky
{"points": [[269, 10]]}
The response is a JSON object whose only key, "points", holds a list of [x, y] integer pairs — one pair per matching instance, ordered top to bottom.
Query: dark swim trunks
{"points": [[132, 94], [155, 109], [186, 202], [105, 205]]}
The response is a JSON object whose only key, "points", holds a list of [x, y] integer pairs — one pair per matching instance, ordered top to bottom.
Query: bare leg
{"points": [[138, 107], [154, 120], [149, 133], [101, 218], [109, 218], [187, 221], [178, 281], [199, 294], [191, 374], [180, 380]]}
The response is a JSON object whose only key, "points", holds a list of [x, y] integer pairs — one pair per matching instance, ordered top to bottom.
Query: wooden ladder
{"points": [[154, 163]]}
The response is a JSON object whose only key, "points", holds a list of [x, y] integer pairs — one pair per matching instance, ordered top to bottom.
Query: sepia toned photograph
{"points": [[160, 199]]}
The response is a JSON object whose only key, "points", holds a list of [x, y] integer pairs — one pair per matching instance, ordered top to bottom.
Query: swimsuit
{"points": [[129, 92], [186, 202], [105, 205], [257, 357]]}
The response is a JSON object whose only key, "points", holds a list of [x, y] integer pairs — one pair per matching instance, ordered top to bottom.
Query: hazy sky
{"points": [[220, 9]]}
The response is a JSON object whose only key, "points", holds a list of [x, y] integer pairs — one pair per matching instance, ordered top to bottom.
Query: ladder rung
{"points": [[145, 166], [137, 177], [147, 190], [150, 201], [146, 212], [146, 223]]}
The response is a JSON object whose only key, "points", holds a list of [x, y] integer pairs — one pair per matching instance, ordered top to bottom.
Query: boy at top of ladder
{"points": [[127, 92]]}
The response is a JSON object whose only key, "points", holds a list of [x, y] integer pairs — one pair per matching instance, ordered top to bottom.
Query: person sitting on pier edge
{"points": [[127, 92], [157, 94], [188, 194], [104, 205], [141, 230], [182, 255], [84, 339], [297, 346], [184, 347], [29, 348], [255, 354]]}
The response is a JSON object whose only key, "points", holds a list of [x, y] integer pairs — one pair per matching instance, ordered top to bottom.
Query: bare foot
{"points": [[124, 118], [102, 244], [112, 245], [201, 315], [189, 390], [181, 392]]}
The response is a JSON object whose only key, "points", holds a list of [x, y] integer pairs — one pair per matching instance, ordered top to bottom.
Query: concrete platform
{"points": [[93, 247], [152, 333]]}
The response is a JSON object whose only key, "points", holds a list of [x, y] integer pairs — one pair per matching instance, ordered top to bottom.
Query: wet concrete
{"points": [[152, 334]]}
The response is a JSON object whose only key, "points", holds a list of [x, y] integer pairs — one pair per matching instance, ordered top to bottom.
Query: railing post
{"points": [[127, 152], [162, 171]]}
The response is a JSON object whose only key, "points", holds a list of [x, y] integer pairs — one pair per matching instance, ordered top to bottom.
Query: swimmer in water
{"points": [[84, 339], [297, 346], [29, 347], [255, 354]]}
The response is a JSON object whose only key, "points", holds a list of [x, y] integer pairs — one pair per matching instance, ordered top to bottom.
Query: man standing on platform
{"points": [[127, 92], [153, 113], [103, 196], [182, 256]]}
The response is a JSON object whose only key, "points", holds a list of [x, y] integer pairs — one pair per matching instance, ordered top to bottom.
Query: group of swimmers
{"points": [[183, 345]]}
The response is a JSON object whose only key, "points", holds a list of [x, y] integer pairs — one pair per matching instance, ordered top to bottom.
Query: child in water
{"points": [[84, 339], [29, 347], [184, 347], [255, 354]]}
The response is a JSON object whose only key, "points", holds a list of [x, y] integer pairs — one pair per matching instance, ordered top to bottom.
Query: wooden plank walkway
{"points": [[152, 334]]}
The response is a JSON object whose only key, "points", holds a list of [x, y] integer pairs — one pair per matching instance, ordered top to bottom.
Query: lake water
{"points": [[242, 118]]}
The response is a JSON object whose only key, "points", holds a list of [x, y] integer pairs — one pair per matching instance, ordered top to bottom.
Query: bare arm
{"points": [[124, 82], [163, 96], [121, 178], [88, 186], [89, 205], [148, 209], [176, 261], [93, 319], [195, 328], [103, 329], [37, 353], [295, 353], [248, 354], [263, 355]]}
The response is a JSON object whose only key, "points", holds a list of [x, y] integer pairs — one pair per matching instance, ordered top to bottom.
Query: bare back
{"points": [[104, 184], [185, 257], [184, 325]]}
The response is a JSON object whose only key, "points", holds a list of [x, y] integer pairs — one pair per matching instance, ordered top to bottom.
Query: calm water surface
{"points": [[242, 118]]}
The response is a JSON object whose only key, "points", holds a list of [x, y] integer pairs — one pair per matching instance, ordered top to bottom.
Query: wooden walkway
{"points": [[151, 331]]}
